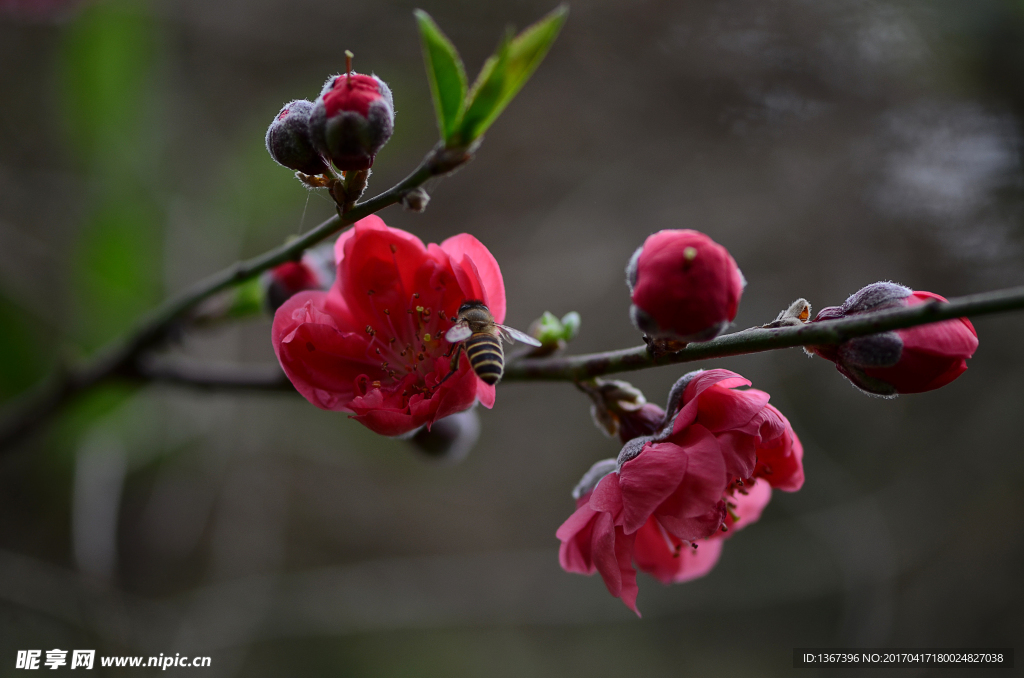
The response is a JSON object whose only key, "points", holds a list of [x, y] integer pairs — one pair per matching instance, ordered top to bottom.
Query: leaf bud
{"points": [[552, 333]]}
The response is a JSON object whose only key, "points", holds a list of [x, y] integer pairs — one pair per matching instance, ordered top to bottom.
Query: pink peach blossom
{"points": [[373, 345], [711, 468]]}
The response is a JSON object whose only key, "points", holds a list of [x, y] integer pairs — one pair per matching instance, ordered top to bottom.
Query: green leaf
{"points": [[445, 72], [504, 74]]}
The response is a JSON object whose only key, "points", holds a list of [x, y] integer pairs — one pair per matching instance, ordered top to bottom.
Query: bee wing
{"points": [[458, 332], [512, 335]]}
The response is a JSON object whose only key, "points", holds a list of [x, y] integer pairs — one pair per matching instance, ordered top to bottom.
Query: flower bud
{"points": [[352, 120], [288, 140], [315, 271], [684, 286], [911, 360], [620, 409], [450, 439]]}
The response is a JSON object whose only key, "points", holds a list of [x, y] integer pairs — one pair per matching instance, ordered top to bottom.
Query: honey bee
{"points": [[476, 332]]}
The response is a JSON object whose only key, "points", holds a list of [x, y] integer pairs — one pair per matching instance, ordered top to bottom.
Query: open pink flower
{"points": [[684, 286], [373, 344], [911, 360], [711, 466], [672, 561]]}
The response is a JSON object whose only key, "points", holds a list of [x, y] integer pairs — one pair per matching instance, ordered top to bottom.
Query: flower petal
{"points": [[485, 267], [378, 272], [322, 363], [700, 383], [486, 393], [722, 409], [739, 450], [780, 460], [647, 480], [704, 482], [607, 496], [749, 506], [574, 554], [613, 557], [698, 562]]}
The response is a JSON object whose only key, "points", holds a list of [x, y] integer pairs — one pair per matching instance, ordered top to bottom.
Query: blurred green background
{"points": [[827, 145]]}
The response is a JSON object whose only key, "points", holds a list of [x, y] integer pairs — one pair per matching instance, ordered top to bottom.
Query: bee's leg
{"points": [[455, 366]]}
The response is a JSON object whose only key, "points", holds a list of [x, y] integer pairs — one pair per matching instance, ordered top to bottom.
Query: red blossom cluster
{"points": [[379, 344], [669, 499]]}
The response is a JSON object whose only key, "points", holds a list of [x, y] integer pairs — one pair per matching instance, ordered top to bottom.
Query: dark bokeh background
{"points": [[826, 144]]}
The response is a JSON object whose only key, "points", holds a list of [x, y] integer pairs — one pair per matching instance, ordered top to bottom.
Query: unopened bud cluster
{"points": [[346, 126]]}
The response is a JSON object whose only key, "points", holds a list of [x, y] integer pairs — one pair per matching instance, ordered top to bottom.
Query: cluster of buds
{"points": [[346, 126]]}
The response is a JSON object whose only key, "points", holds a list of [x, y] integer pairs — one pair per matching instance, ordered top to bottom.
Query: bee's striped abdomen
{"points": [[486, 357]]}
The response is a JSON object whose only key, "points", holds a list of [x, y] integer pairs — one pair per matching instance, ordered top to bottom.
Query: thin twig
{"points": [[215, 376]]}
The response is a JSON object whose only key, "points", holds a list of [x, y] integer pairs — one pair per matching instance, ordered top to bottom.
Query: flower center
{"points": [[406, 343]]}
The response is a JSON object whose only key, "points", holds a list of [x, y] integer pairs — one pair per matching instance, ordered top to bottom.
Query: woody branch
{"points": [[590, 365]]}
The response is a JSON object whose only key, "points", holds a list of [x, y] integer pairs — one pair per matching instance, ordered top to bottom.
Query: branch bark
{"points": [[757, 339], [590, 365]]}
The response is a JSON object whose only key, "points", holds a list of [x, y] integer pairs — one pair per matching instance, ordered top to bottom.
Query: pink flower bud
{"points": [[352, 120], [288, 140], [684, 286], [911, 360]]}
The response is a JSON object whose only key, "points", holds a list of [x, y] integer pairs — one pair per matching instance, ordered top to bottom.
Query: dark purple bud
{"points": [[288, 139]]}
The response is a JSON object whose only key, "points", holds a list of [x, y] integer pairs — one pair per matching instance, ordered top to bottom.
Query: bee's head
{"points": [[472, 304]]}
